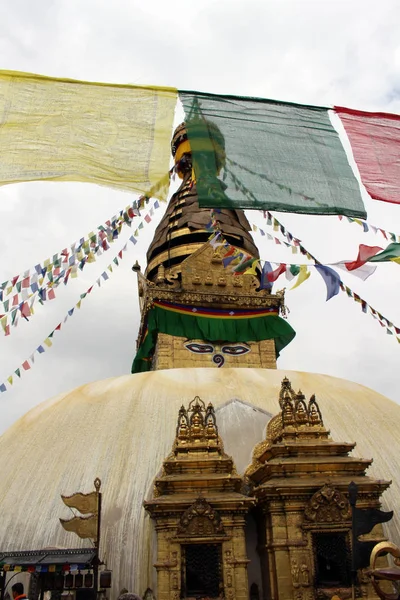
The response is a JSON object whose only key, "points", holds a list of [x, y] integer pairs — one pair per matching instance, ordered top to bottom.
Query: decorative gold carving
{"points": [[160, 274], [286, 392], [300, 409], [314, 412], [197, 424], [274, 428], [328, 505], [200, 520], [295, 572], [305, 575]]}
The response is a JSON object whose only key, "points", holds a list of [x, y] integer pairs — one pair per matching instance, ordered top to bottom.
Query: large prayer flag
{"points": [[67, 130], [375, 141], [264, 154]]}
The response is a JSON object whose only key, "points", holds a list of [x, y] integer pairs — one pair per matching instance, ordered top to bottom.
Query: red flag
{"points": [[375, 141], [230, 252], [364, 254], [273, 275], [26, 282], [51, 294], [25, 310], [26, 365]]}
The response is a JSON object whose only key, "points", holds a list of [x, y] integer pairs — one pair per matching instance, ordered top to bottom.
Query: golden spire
{"points": [[183, 228]]}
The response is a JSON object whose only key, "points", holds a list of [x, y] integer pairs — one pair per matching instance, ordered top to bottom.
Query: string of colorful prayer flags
{"points": [[367, 227], [94, 243], [391, 253], [242, 263], [42, 288], [48, 341]]}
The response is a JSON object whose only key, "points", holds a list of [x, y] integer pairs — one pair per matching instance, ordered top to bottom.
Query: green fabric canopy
{"points": [[264, 154], [227, 328]]}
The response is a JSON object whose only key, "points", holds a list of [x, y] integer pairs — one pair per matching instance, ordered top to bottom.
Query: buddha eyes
{"points": [[200, 348], [231, 349], [235, 350]]}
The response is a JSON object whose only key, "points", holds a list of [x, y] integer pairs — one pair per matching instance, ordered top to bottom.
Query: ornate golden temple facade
{"points": [[296, 492], [199, 511], [282, 530]]}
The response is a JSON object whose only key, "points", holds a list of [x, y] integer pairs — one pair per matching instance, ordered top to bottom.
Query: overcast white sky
{"points": [[322, 52]]}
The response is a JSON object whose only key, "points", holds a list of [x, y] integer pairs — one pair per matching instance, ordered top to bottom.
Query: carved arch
{"points": [[328, 506], [200, 520]]}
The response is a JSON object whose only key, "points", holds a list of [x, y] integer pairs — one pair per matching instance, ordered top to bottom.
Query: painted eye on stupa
{"points": [[199, 348], [235, 350]]}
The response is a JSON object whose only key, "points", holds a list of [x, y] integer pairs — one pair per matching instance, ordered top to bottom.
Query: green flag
{"points": [[263, 154], [392, 252]]}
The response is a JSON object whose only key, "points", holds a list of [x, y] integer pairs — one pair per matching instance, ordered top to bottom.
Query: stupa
{"points": [[219, 479]]}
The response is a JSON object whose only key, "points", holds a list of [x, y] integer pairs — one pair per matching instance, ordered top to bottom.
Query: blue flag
{"points": [[332, 280], [265, 283]]}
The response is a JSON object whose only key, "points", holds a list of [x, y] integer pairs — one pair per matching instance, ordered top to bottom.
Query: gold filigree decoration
{"points": [[295, 414], [197, 424], [274, 428], [328, 505], [200, 520]]}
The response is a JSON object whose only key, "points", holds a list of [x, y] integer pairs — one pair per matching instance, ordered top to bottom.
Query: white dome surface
{"points": [[121, 429]]}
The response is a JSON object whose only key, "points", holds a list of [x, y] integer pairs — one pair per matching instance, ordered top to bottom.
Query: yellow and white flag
{"points": [[66, 130]]}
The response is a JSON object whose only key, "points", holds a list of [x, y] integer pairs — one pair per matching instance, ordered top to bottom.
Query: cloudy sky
{"points": [[322, 52]]}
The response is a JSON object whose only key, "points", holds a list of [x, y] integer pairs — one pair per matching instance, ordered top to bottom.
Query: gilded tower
{"points": [[202, 301]]}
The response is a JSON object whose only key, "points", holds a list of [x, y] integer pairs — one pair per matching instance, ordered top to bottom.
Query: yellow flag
{"points": [[67, 130], [252, 269], [303, 275], [85, 503], [84, 527]]}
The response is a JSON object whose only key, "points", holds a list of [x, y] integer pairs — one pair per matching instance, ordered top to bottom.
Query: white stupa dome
{"points": [[121, 429]]}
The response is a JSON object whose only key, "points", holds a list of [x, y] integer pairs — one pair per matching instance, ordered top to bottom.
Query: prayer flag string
{"points": [[367, 227], [95, 242], [244, 264], [41, 285], [391, 329], [48, 341]]}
